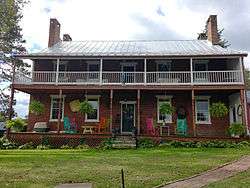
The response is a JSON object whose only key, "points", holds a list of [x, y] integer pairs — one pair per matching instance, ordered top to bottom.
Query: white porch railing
{"points": [[157, 78]]}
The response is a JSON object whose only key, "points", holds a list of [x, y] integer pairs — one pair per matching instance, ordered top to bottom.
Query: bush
{"points": [[36, 107], [218, 110], [17, 124], [236, 129], [107, 143], [145, 143], [6, 144], [205, 144], [29, 145], [43, 147], [66, 147], [83, 147]]}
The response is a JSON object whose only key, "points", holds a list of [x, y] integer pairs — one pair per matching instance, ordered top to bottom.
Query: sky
{"points": [[132, 20]]}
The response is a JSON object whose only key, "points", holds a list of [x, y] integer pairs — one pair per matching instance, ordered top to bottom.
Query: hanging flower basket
{"points": [[75, 105], [218, 110]]}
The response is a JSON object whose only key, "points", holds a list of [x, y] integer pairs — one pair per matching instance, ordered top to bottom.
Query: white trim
{"points": [[97, 97], [168, 99], [51, 100], [127, 102], [209, 117]]}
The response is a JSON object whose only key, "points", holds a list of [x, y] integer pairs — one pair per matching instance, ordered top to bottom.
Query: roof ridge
{"points": [[131, 40]]}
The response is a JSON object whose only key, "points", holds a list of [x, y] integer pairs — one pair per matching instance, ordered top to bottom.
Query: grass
{"points": [[143, 167], [241, 180]]}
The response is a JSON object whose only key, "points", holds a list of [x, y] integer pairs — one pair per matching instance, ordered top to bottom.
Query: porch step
{"points": [[124, 142]]}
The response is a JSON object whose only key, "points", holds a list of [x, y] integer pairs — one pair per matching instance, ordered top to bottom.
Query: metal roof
{"points": [[134, 48]]}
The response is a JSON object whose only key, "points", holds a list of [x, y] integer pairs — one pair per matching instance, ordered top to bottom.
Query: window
{"points": [[163, 65], [200, 65], [62, 66], [93, 66], [94, 102], [54, 109], [202, 110], [161, 117]]}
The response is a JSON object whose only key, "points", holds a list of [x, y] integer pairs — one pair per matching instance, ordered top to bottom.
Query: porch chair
{"points": [[102, 125], [150, 126], [69, 127]]}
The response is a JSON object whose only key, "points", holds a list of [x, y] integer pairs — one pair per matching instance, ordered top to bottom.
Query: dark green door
{"points": [[128, 117]]}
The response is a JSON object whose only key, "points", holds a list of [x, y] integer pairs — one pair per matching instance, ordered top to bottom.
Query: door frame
{"points": [[127, 102]]}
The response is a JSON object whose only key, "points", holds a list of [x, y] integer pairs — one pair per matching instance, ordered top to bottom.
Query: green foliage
{"points": [[36, 107], [86, 108], [166, 108], [218, 110], [2, 118], [17, 124], [236, 129], [107, 143], [145, 143], [6, 144], [205, 144], [28, 145], [43, 147], [82, 147]]}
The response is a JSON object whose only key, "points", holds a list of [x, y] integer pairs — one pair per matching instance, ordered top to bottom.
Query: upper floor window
{"points": [[163, 65], [200, 65], [93, 66], [54, 107]]}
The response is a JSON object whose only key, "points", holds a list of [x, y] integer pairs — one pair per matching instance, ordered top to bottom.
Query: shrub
{"points": [[36, 107], [218, 110], [17, 124], [236, 129], [107, 143], [145, 143], [6, 144], [29, 145], [82, 146], [43, 147], [66, 147]]}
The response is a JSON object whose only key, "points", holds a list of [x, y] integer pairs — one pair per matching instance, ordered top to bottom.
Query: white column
{"points": [[241, 69], [57, 70], [100, 71], [145, 71], [191, 71]]}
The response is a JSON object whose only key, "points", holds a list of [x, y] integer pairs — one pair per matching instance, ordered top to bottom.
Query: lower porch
{"points": [[124, 111]]}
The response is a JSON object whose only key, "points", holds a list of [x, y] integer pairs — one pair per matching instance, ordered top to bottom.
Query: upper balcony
{"points": [[212, 71]]}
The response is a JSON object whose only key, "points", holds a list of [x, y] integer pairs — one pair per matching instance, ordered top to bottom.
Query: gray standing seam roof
{"points": [[135, 48]]}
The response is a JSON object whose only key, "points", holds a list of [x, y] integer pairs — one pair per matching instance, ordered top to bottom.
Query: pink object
{"points": [[150, 126]]}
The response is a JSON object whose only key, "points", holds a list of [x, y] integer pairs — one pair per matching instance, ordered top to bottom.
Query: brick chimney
{"points": [[212, 31], [54, 32], [67, 37]]}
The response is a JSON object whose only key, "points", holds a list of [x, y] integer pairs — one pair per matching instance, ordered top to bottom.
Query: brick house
{"points": [[127, 81]]}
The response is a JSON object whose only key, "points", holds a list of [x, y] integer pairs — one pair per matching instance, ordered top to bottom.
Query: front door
{"points": [[127, 117]]}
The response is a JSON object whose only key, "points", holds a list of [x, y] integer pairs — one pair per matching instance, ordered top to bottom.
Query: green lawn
{"points": [[143, 167], [241, 180]]}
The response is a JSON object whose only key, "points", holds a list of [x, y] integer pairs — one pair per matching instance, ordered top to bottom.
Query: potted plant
{"points": [[36, 107], [85, 107], [167, 109], [218, 110], [16, 125], [236, 130]]}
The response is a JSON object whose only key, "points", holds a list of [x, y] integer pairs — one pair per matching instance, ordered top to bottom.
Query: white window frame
{"points": [[163, 62], [131, 64], [97, 97], [163, 97], [197, 98], [51, 107]]}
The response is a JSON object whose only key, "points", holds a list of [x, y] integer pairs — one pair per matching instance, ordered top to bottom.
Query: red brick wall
{"points": [[148, 108]]}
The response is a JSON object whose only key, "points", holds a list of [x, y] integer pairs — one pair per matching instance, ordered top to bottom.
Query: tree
{"points": [[222, 41], [11, 42]]}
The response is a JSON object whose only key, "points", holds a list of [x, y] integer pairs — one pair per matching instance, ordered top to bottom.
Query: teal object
{"points": [[67, 126], [182, 127]]}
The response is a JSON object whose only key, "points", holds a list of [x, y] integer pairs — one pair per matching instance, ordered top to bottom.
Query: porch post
{"points": [[101, 62], [241, 69], [57, 70], [145, 71], [191, 71], [244, 109], [59, 110], [111, 110], [138, 111], [193, 113]]}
